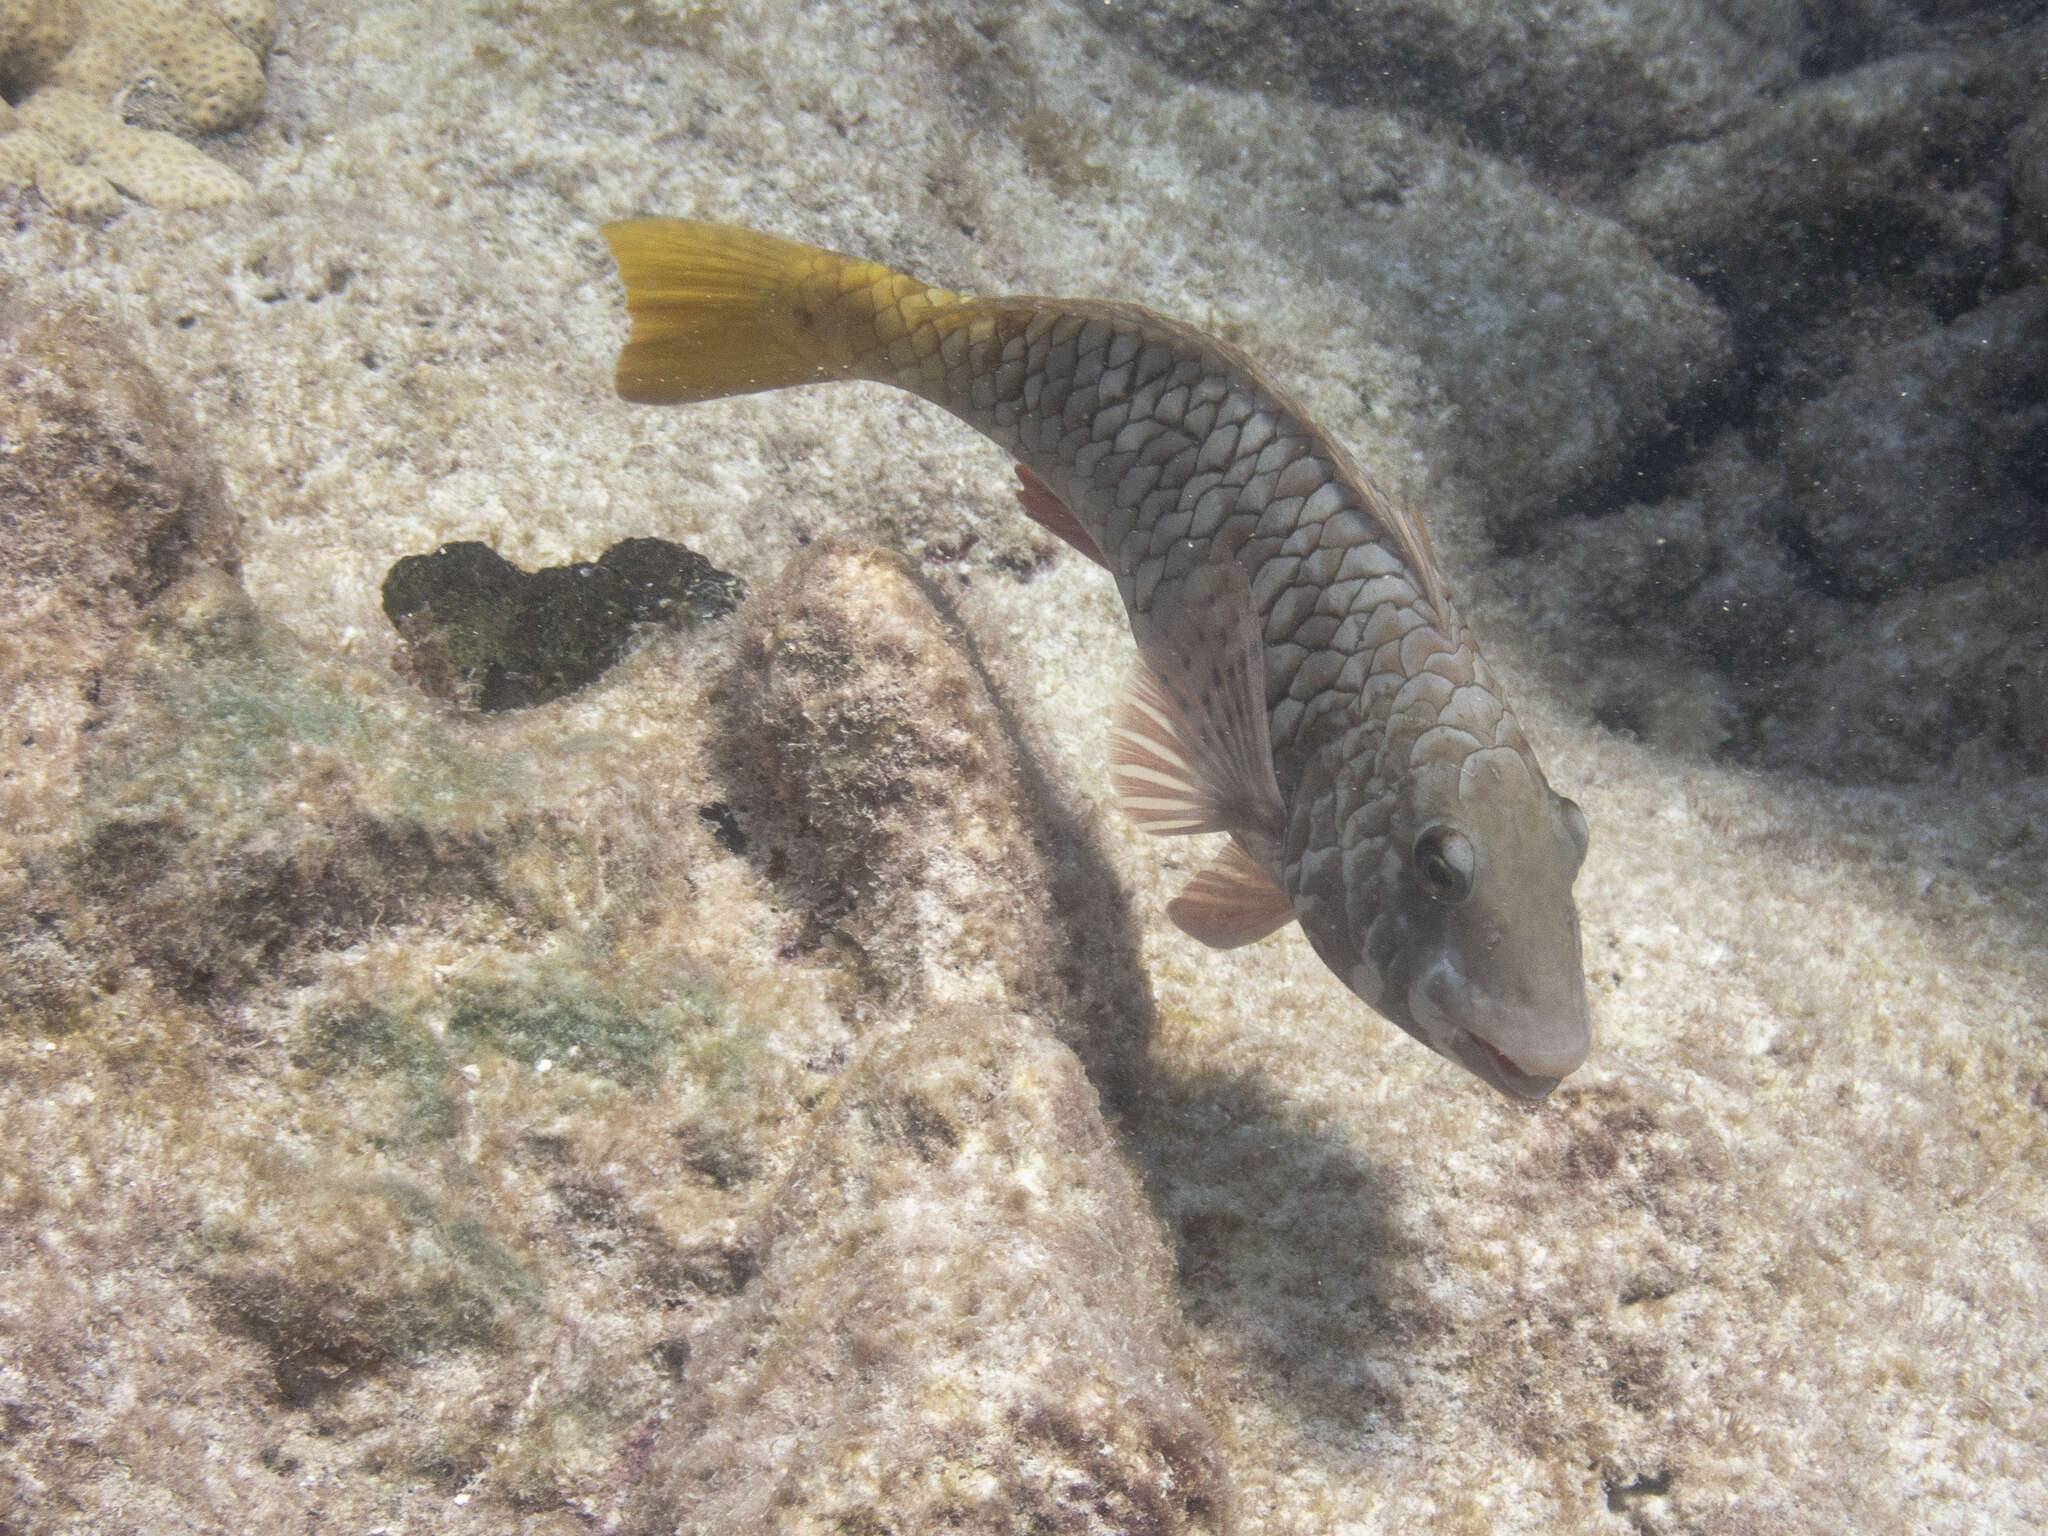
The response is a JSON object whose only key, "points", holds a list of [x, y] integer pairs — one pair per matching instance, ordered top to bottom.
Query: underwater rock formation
{"points": [[1579, 87], [101, 89], [1893, 174], [1709, 251], [1561, 343], [1929, 460], [105, 501], [108, 501], [1820, 585], [1858, 608], [888, 794], [244, 806], [965, 1303]]}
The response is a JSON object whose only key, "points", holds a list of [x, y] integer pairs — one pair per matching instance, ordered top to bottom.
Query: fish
{"points": [[1304, 684]]}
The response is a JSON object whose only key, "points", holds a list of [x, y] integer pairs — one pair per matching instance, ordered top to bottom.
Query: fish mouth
{"points": [[1483, 1060]]}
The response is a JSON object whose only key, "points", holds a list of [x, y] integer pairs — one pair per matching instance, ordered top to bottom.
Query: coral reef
{"points": [[101, 89]]}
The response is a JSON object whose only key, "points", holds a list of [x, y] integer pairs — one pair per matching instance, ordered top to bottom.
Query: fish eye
{"points": [[1445, 862]]}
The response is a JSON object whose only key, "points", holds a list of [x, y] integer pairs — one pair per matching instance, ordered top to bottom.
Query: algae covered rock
{"points": [[1575, 85], [1892, 173], [1929, 461], [107, 497], [108, 500], [1860, 606], [885, 787], [246, 803], [336, 1276], [965, 1302]]}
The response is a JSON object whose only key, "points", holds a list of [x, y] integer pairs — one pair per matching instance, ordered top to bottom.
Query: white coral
{"points": [[80, 73]]}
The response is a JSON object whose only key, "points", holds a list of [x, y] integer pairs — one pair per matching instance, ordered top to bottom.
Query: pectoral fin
{"points": [[1053, 515], [1190, 751], [1232, 902]]}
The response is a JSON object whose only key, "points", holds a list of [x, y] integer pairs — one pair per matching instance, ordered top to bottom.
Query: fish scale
{"points": [[1142, 503], [1401, 776]]}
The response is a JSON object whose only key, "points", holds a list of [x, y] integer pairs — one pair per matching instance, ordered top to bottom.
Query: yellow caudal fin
{"points": [[723, 311]]}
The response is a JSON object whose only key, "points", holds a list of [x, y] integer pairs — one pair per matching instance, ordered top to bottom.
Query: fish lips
{"points": [[1431, 1023], [1483, 1061]]}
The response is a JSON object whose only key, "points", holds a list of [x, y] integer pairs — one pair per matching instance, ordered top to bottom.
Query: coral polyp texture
{"points": [[96, 95]]}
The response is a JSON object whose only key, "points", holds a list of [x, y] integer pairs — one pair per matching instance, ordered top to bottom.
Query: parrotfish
{"points": [[1305, 683]]}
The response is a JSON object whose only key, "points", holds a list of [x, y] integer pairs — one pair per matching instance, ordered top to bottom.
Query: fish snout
{"points": [[1524, 1048], [1532, 1052], [1484, 1061]]}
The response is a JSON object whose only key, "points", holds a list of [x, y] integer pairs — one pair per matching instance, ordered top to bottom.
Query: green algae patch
{"points": [[480, 631], [226, 706], [247, 802], [578, 1022], [589, 1031], [409, 1065]]}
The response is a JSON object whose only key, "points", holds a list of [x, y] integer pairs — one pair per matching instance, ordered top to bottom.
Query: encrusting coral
{"points": [[101, 89]]}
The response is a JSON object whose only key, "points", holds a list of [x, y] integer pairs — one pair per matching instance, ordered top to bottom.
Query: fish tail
{"points": [[723, 311]]}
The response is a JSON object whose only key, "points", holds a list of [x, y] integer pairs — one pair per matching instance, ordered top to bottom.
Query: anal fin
{"points": [[1053, 515], [1231, 902]]}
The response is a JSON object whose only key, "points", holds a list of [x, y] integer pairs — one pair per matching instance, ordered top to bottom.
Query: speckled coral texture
{"points": [[101, 91], [760, 1091]]}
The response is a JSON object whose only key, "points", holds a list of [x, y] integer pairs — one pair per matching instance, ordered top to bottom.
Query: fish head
{"points": [[1473, 945]]}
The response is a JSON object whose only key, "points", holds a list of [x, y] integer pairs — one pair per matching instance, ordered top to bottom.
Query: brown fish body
{"points": [[1309, 688]]}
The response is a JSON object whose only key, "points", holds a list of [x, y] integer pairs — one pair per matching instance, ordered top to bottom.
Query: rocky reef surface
{"points": [[757, 1089]]}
